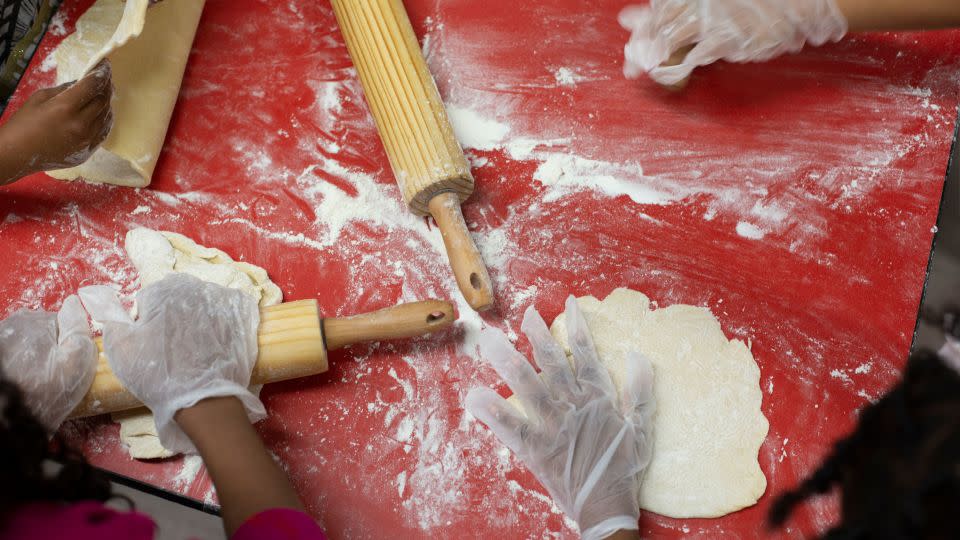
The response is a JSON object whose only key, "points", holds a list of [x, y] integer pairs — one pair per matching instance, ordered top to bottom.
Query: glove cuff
{"points": [[174, 439], [611, 525]]}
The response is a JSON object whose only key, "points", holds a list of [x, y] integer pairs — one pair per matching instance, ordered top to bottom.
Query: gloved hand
{"points": [[732, 30], [192, 340], [51, 357], [586, 446]]}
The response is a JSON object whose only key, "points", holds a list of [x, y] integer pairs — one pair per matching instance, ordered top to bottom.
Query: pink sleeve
{"points": [[87, 520], [279, 524]]}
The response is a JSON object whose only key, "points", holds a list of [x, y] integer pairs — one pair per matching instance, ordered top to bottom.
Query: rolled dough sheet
{"points": [[148, 51], [156, 254], [708, 426], [139, 433]]}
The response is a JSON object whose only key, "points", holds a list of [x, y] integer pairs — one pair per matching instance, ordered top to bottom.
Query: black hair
{"points": [[24, 449], [899, 471]]}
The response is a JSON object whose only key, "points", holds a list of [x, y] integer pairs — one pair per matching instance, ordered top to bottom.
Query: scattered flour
{"points": [[57, 25], [49, 63], [566, 76], [474, 131], [567, 173], [749, 230], [837, 374], [189, 469], [401, 482]]}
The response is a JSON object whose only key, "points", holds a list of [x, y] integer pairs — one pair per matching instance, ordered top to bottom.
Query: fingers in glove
{"points": [[634, 17], [675, 19], [676, 26], [675, 71], [103, 305], [72, 320], [549, 355], [515, 370], [592, 377], [636, 401], [507, 423]]}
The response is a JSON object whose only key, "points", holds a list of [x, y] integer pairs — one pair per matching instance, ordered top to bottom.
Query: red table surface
{"points": [[837, 155]]}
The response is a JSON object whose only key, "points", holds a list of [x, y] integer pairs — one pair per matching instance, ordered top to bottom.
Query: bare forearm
{"points": [[865, 15], [12, 163], [245, 476]]}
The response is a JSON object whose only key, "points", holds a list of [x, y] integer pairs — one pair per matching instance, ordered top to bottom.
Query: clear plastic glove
{"points": [[732, 30], [192, 340], [51, 357], [586, 446]]}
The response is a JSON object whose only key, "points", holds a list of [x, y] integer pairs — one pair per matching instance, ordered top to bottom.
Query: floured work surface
{"points": [[147, 49], [795, 199]]}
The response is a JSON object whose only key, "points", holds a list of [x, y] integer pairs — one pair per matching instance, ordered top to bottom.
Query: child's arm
{"points": [[865, 15], [671, 38], [57, 127], [188, 357], [246, 478]]}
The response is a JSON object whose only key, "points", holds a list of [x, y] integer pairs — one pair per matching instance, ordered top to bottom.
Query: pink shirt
{"points": [[91, 520]]}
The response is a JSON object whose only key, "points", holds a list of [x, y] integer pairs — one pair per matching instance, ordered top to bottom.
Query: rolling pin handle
{"points": [[465, 258], [402, 321]]}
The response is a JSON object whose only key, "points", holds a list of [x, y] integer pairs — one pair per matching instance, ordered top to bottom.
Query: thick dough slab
{"points": [[148, 51], [156, 254], [708, 426]]}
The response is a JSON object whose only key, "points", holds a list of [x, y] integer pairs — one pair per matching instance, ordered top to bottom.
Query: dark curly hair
{"points": [[25, 446], [899, 471]]}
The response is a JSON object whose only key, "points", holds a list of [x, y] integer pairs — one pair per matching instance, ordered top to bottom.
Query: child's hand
{"points": [[670, 38], [57, 127], [192, 340], [51, 357], [588, 446]]}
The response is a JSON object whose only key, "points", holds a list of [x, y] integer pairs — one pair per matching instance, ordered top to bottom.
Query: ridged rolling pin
{"points": [[426, 158], [293, 342]]}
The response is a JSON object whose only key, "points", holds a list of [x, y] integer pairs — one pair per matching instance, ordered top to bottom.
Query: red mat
{"points": [[795, 198]]}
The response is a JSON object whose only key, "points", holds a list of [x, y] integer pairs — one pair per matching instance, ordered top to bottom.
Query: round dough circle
{"points": [[708, 426]]}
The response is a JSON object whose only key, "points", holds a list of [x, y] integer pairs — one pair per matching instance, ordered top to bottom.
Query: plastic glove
{"points": [[732, 30], [192, 340], [51, 357], [586, 446]]}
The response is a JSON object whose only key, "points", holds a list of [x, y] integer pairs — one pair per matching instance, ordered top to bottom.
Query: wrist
{"points": [[199, 417], [617, 528]]}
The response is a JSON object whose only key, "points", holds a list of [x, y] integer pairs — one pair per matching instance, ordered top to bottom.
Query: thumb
{"points": [[509, 425]]}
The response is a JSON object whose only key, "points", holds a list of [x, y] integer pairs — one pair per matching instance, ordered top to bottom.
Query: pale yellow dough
{"points": [[148, 51], [156, 254], [708, 425]]}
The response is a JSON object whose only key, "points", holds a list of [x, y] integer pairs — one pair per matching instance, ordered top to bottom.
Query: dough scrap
{"points": [[148, 51], [156, 254], [708, 425], [139, 433]]}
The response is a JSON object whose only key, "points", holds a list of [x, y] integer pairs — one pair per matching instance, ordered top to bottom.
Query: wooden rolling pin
{"points": [[426, 158], [293, 342]]}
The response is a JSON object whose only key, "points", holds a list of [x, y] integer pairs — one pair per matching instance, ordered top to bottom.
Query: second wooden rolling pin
{"points": [[426, 158], [293, 342]]}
